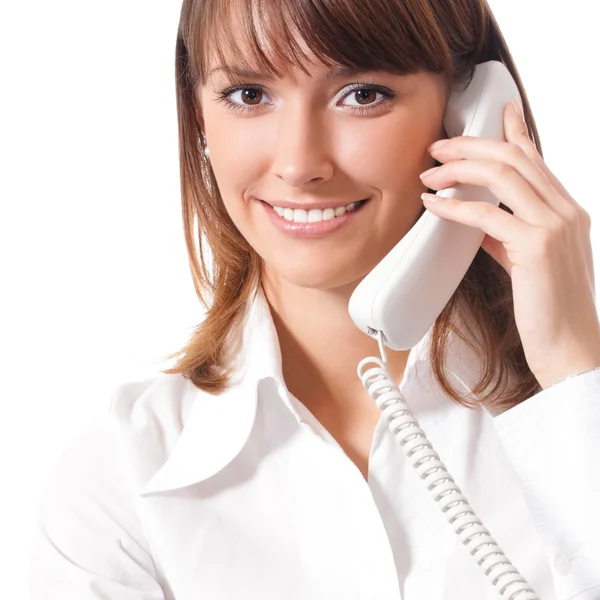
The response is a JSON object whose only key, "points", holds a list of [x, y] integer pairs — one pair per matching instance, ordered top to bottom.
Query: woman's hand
{"points": [[544, 246]]}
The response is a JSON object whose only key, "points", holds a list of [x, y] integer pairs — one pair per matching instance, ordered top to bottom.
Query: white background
{"points": [[96, 287]]}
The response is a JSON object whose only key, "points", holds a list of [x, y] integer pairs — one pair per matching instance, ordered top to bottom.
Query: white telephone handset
{"points": [[406, 292], [399, 300]]}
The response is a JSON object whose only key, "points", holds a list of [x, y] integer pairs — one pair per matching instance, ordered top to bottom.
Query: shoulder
{"points": [[122, 446], [88, 518]]}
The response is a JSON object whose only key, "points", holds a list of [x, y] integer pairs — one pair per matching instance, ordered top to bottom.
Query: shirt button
{"points": [[562, 563]]}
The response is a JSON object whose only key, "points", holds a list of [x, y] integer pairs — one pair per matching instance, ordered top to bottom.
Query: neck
{"points": [[321, 346]]}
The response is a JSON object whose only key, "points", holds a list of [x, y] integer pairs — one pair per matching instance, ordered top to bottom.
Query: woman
{"points": [[258, 466]]}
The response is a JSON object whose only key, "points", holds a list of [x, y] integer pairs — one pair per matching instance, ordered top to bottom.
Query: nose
{"points": [[302, 151]]}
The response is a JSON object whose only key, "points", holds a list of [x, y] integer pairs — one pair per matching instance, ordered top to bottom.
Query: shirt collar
{"points": [[218, 427]]}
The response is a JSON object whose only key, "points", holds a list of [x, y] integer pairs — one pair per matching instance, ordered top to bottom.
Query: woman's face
{"points": [[322, 141]]}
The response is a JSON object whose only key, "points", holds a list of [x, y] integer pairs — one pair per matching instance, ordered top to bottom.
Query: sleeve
{"points": [[553, 442], [88, 542]]}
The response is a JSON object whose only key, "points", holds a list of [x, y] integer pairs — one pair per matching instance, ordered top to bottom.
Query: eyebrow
{"points": [[336, 72]]}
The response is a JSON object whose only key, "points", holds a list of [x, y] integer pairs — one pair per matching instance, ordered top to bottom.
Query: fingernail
{"points": [[438, 144], [428, 172]]}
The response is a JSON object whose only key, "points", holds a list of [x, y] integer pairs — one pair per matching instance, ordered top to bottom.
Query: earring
{"points": [[207, 152]]}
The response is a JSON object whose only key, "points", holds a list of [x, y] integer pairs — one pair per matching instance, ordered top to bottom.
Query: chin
{"points": [[314, 278]]}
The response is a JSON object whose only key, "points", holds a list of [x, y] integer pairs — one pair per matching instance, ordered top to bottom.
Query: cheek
{"points": [[389, 155], [234, 172], [395, 177], [235, 180]]}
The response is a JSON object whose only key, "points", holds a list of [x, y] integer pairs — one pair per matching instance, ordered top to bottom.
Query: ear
{"points": [[198, 112], [200, 120]]}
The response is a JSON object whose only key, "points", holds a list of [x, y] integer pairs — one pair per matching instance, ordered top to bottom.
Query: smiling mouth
{"points": [[315, 214]]}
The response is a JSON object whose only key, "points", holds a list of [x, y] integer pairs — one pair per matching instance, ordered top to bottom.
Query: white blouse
{"points": [[178, 494]]}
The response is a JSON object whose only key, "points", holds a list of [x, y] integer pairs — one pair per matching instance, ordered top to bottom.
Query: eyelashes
{"points": [[387, 94]]}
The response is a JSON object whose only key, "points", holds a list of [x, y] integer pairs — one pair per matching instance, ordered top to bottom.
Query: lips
{"points": [[296, 205], [313, 229]]}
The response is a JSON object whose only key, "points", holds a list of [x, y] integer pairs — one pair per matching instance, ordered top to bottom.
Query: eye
{"points": [[253, 94], [366, 95]]}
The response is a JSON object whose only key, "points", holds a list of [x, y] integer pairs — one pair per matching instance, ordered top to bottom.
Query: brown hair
{"points": [[448, 37]]}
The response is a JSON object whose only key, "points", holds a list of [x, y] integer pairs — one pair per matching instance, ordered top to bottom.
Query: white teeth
{"points": [[314, 215], [300, 216]]}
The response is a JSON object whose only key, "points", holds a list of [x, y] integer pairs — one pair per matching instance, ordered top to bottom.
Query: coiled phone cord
{"points": [[466, 524]]}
